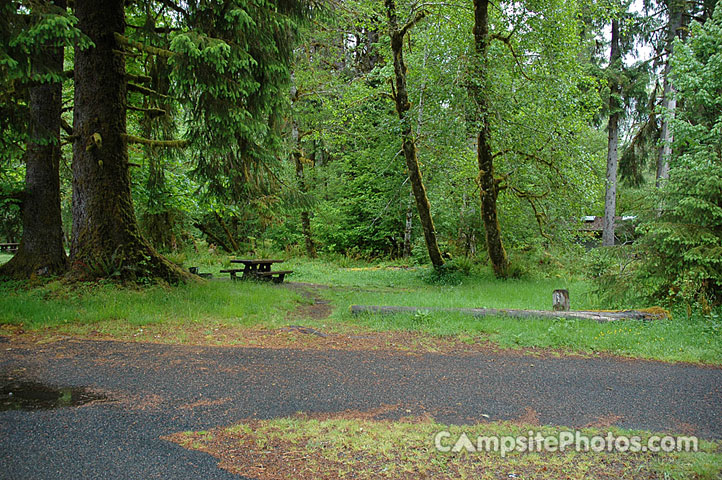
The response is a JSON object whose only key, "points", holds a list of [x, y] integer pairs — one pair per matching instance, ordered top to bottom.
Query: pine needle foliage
{"points": [[232, 72], [684, 243]]}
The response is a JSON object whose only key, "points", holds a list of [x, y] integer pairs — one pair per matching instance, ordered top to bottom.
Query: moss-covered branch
{"points": [[127, 42], [138, 78], [132, 87], [152, 112], [156, 143]]}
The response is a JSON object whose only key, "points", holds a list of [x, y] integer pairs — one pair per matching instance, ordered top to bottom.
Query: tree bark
{"points": [[669, 103], [409, 146], [297, 156], [488, 185], [610, 199], [305, 214], [409, 227], [229, 235], [106, 239], [41, 249]]}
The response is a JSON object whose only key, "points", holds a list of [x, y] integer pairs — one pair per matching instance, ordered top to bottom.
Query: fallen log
{"points": [[600, 316]]}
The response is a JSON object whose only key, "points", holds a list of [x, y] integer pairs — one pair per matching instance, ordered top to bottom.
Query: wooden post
{"points": [[560, 300]]}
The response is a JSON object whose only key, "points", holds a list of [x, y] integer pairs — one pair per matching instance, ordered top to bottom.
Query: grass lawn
{"points": [[138, 312], [198, 312], [364, 448]]}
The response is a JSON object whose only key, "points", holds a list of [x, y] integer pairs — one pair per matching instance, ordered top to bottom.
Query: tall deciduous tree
{"points": [[401, 98], [488, 183]]}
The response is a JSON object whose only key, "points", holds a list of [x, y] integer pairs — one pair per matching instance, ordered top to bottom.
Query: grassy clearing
{"points": [[108, 308], [170, 313], [695, 340], [306, 448]]}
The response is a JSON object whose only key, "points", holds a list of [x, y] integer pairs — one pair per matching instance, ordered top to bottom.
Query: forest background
{"points": [[461, 134]]}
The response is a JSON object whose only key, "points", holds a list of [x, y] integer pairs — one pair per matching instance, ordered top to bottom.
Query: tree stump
{"points": [[560, 300]]}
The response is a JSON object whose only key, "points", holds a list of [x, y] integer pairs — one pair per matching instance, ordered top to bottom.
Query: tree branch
{"points": [[175, 7], [411, 23], [507, 41], [127, 42], [138, 78], [132, 87], [152, 112], [67, 128], [156, 143], [212, 237]]}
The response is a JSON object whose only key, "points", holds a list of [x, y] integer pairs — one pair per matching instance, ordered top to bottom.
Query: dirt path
{"points": [[153, 390]]}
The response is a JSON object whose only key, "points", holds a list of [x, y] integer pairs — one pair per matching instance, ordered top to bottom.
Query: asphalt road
{"points": [[156, 390]]}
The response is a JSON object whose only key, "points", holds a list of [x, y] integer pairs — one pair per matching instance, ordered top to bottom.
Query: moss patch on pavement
{"points": [[362, 446]]}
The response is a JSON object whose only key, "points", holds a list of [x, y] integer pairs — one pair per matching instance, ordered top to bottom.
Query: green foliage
{"points": [[26, 30], [231, 70], [683, 245], [450, 273], [614, 274]]}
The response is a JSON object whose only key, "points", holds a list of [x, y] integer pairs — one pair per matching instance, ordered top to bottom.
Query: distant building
{"points": [[592, 227]]}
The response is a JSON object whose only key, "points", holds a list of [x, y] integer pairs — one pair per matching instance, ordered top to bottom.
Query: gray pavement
{"points": [[156, 390]]}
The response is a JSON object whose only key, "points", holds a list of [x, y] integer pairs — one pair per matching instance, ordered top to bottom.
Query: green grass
{"points": [[356, 273], [56, 304], [115, 310], [696, 340], [369, 449]]}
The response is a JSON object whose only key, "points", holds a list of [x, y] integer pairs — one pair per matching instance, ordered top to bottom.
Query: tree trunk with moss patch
{"points": [[409, 146], [488, 185], [106, 240], [41, 248]]}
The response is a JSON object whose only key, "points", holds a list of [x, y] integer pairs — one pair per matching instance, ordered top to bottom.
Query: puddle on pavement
{"points": [[27, 395]]}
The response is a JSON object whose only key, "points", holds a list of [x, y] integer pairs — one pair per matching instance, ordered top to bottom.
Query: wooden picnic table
{"points": [[9, 247], [253, 267], [257, 269]]}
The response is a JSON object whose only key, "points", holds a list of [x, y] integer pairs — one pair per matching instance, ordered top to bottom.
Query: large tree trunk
{"points": [[669, 103], [409, 146], [488, 185], [610, 199], [105, 239], [41, 249]]}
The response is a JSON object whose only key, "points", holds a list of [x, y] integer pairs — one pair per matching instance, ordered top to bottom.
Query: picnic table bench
{"points": [[9, 247], [257, 269]]}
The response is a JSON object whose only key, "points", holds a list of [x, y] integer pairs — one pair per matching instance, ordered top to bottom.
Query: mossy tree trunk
{"points": [[409, 145], [488, 184], [105, 238], [41, 249]]}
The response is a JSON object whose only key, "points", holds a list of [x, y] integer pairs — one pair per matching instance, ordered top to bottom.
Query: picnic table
{"points": [[9, 247], [257, 269]]}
